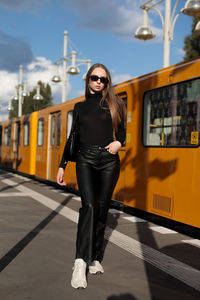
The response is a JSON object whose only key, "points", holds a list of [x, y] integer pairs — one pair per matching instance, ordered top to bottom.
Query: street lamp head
{"points": [[192, 8], [197, 29], [144, 33], [73, 70], [84, 76], [56, 78], [24, 94], [38, 97], [15, 98], [9, 108]]}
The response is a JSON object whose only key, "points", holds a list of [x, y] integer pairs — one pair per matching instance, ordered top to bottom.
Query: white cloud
{"points": [[121, 18], [180, 52], [39, 69], [43, 69], [117, 78], [8, 82], [7, 89], [80, 93], [3, 117]]}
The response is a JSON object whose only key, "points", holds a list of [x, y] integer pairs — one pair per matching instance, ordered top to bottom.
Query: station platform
{"points": [[38, 225]]}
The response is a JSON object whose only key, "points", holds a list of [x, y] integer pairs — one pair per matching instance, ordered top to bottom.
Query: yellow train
{"points": [[160, 163]]}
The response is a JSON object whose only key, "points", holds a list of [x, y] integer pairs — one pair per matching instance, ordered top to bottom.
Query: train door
{"points": [[0, 141], [16, 144], [54, 145]]}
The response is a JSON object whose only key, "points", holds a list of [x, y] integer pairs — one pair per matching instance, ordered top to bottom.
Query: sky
{"points": [[32, 33]]}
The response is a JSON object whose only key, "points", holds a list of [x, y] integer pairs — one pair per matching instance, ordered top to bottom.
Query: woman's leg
{"points": [[86, 177], [107, 178]]}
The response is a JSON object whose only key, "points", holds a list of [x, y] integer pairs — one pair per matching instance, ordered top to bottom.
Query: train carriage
{"points": [[54, 124], [18, 143], [7, 153], [162, 154], [160, 160]]}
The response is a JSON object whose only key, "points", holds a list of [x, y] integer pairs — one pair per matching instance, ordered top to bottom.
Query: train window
{"points": [[123, 96], [171, 115], [69, 121], [58, 129], [53, 130], [17, 133], [26, 133], [40, 134], [0, 135], [7, 135], [16, 141]]}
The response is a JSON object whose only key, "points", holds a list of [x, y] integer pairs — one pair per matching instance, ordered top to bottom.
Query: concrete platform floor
{"points": [[38, 226]]}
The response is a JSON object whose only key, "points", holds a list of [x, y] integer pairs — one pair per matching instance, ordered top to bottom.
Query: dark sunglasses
{"points": [[96, 78]]}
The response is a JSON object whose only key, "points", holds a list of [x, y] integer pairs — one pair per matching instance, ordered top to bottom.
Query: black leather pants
{"points": [[97, 173]]}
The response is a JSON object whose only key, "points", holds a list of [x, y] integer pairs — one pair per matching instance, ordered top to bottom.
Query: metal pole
{"points": [[145, 17], [166, 50], [64, 81], [20, 91]]}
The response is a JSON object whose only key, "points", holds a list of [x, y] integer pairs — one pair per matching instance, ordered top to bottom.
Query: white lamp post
{"points": [[191, 8], [68, 70], [21, 92]]}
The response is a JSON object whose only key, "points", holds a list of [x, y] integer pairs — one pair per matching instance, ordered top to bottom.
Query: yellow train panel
{"points": [[27, 148]]}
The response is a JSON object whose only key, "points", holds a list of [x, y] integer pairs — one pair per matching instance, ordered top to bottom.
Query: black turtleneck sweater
{"points": [[95, 123]]}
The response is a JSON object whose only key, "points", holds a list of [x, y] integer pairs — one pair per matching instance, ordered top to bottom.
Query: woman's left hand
{"points": [[113, 147]]}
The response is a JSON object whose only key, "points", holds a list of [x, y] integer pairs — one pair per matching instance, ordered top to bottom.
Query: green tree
{"points": [[192, 42], [29, 104]]}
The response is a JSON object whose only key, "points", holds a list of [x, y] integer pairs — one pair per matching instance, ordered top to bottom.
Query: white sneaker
{"points": [[96, 268], [78, 280]]}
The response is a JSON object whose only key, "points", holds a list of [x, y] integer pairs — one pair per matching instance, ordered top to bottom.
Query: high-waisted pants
{"points": [[97, 173]]}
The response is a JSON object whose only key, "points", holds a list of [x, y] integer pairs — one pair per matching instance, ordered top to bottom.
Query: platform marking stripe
{"points": [[19, 176], [57, 190], [13, 194], [76, 198], [115, 211], [69, 213], [134, 219], [162, 230], [193, 242], [167, 264]]}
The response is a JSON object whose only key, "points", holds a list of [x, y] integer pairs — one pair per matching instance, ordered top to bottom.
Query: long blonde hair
{"points": [[115, 104]]}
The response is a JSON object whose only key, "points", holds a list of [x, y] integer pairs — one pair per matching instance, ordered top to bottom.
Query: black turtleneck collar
{"points": [[96, 96]]}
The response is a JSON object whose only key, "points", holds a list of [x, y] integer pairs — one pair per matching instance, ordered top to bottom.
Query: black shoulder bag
{"points": [[73, 143]]}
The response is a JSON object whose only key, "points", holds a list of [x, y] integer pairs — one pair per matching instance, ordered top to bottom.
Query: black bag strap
{"points": [[74, 123]]}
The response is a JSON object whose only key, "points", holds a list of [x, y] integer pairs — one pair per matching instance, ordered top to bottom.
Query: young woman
{"points": [[101, 126]]}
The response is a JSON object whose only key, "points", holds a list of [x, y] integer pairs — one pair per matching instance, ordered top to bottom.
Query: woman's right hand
{"points": [[60, 177]]}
